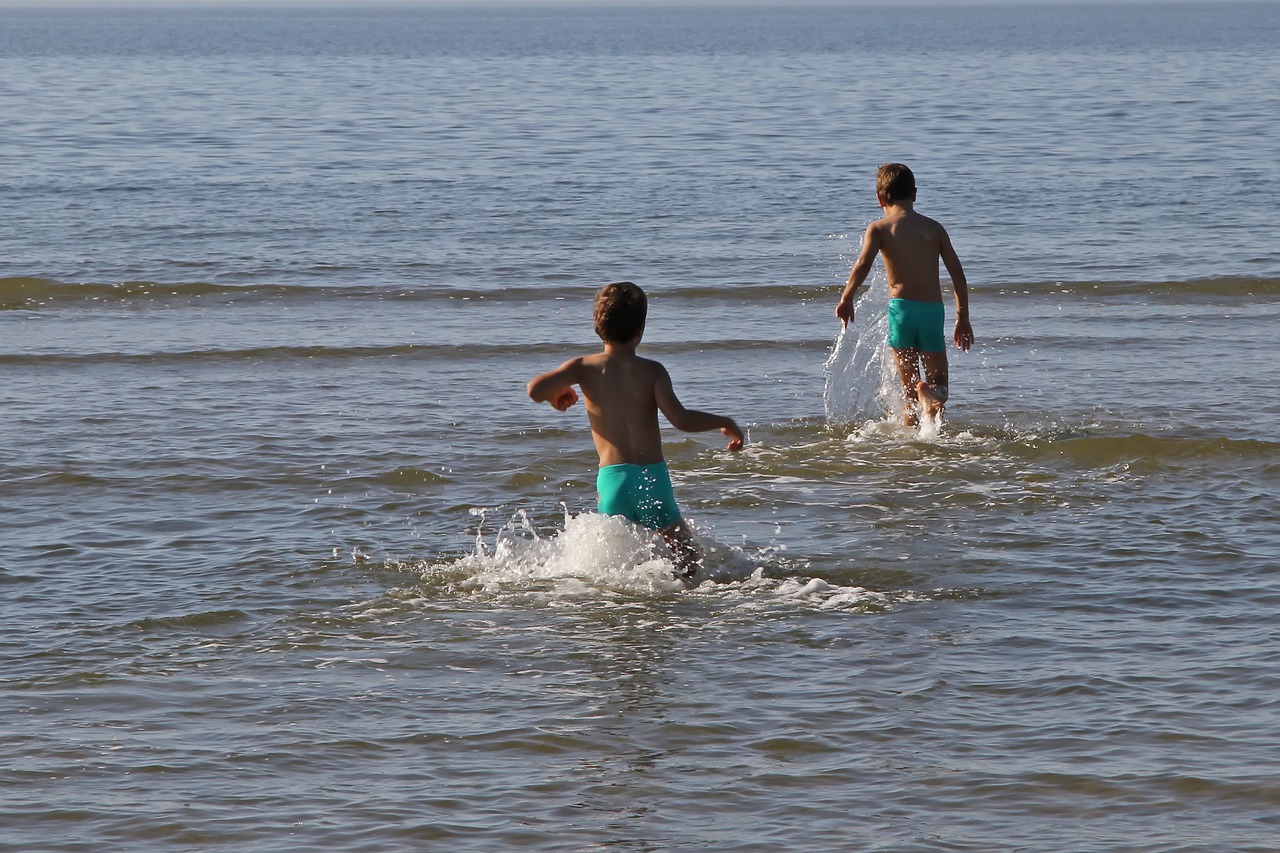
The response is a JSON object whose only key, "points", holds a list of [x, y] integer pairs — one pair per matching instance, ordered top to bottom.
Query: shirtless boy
{"points": [[912, 244], [624, 394]]}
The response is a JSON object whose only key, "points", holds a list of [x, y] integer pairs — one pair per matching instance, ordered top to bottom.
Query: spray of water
{"points": [[860, 383]]}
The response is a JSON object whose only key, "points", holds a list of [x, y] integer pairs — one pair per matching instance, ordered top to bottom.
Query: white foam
{"points": [[930, 428], [891, 430], [591, 552], [814, 586]]}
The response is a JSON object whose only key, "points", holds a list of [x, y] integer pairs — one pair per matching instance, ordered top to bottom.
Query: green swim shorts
{"points": [[916, 325], [639, 493]]}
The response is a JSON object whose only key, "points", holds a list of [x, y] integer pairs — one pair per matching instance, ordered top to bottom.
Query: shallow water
{"points": [[293, 563]]}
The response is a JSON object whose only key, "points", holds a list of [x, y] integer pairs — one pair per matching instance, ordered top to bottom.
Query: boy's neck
{"points": [[899, 207], [622, 347]]}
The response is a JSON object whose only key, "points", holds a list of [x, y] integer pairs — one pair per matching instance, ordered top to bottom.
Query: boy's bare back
{"points": [[911, 244], [622, 392]]}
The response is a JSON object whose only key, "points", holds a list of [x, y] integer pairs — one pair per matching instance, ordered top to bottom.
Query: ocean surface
{"points": [[291, 563]]}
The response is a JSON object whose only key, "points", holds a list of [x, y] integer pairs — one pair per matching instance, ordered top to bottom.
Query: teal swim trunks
{"points": [[916, 325], [639, 493]]}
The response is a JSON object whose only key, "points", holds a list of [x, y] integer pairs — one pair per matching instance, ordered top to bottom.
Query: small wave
{"points": [[1226, 287], [33, 292], [28, 293], [472, 351], [273, 353], [1110, 451], [31, 480], [204, 619]]}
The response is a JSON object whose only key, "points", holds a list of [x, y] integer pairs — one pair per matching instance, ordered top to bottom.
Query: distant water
{"points": [[291, 562]]}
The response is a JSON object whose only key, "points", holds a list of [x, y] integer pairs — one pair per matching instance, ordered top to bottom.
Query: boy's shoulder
{"points": [[910, 215], [927, 221], [909, 222], [601, 359], [645, 364]]}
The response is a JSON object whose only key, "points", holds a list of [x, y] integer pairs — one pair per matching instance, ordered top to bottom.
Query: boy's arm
{"points": [[857, 275], [964, 332], [556, 386], [691, 420]]}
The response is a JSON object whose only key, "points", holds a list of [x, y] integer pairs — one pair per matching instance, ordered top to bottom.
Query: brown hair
{"points": [[895, 183], [620, 312]]}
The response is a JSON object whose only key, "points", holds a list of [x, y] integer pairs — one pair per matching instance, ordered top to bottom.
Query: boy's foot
{"points": [[931, 398]]}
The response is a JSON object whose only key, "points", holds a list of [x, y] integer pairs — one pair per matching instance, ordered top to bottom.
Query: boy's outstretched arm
{"points": [[857, 275], [964, 332], [556, 386], [692, 420]]}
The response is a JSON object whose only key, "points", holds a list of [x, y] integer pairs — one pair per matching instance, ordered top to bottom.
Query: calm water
{"points": [[291, 563]]}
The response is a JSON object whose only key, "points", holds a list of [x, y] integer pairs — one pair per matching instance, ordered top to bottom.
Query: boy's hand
{"points": [[844, 310], [963, 334], [562, 400], [734, 435]]}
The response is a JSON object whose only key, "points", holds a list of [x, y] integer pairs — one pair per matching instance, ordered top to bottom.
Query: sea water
{"points": [[292, 563]]}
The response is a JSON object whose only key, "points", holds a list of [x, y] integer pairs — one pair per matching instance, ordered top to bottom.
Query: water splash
{"points": [[859, 376], [861, 381], [930, 428], [591, 550], [598, 558]]}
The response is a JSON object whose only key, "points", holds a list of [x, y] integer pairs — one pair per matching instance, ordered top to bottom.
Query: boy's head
{"points": [[895, 184], [621, 309]]}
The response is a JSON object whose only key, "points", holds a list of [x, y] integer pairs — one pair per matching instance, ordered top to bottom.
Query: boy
{"points": [[912, 245], [624, 395]]}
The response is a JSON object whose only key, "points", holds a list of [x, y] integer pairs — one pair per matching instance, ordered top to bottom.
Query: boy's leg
{"points": [[908, 361], [933, 391], [684, 553]]}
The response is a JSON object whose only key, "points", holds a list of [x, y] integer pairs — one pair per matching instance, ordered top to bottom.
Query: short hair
{"points": [[894, 182], [621, 308]]}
